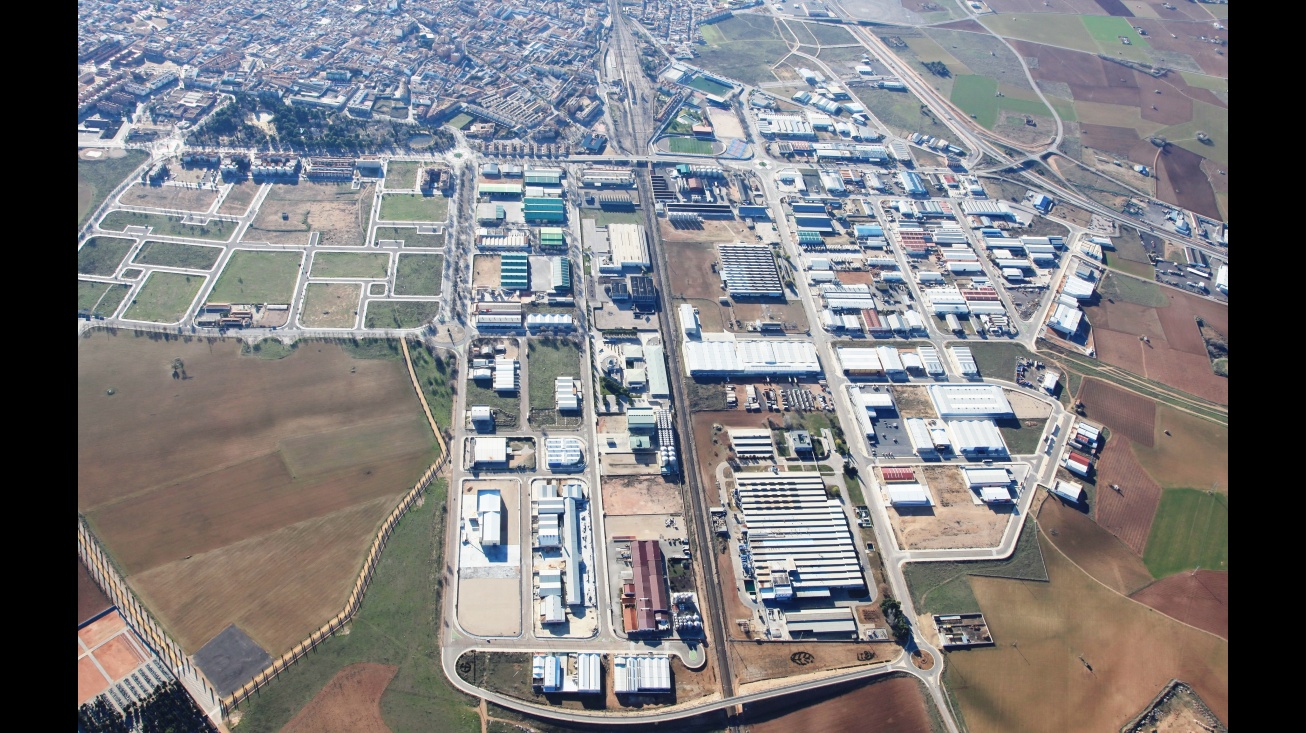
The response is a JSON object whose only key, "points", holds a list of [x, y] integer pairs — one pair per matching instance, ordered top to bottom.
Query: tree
{"points": [[849, 469]]}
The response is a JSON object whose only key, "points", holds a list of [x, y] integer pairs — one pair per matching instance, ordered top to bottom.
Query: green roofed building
{"points": [[544, 177], [499, 190], [544, 209], [806, 237], [552, 238], [515, 271], [561, 275]]}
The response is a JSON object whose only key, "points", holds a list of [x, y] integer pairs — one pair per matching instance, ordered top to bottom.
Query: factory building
{"points": [[628, 247], [749, 270], [724, 355], [965, 361], [566, 394], [970, 400], [977, 438], [752, 444], [489, 452], [564, 453], [992, 484], [645, 599], [836, 621], [573, 673], [642, 673]]}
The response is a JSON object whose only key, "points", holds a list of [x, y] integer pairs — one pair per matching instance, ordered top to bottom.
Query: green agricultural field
{"points": [[1107, 30], [1067, 31], [829, 35], [742, 47], [703, 84], [977, 97], [902, 112], [1208, 118], [689, 145], [402, 174], [97, 178], [413, 207], [168, 226], [409, 236], [175, 254], [102, 255], [369, 265], [419, 274], [258, 277], [1133, 290], [165, 297], [331, 305], [400, 313], [547, 359], [1191, 530], [406, 586], [944, 587]]}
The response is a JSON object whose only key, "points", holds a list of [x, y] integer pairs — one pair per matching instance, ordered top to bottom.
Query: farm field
{"points": [[742, 48], [901, 111], [402, 174], [96, 179], [169, 197], [413, 207], [289, 213], [168, 226], [409, 236], [176, 254], [102, 255], [363, 265], [419, 274], [258, 277], [164, 298], [331, 305], [400, 313], [547, 359], [1127, 414], [1195, 453], [304, 477], [1128, 513], [1191, 531], [1096, 551], [945, 587], [1200, 599], [1048, 634], [418, 697], [350, 701], [892, 704]]}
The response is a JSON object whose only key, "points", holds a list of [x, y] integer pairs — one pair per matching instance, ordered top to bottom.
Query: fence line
{"points": [[140, 619]]}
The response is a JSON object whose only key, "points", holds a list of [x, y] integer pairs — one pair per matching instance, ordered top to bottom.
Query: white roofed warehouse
{"points": [[723, 355]]}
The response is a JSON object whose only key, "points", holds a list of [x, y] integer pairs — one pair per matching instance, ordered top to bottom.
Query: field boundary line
{"points": [[1122, 595], [140, 619]]}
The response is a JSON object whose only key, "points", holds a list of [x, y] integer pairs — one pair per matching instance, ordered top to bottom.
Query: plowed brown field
{"points": [[1200, 599], [350, 703]]}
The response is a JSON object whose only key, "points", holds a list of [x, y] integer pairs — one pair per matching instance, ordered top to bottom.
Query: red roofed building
{"points": [[1078, 463], [898, 473], [651, 600]]}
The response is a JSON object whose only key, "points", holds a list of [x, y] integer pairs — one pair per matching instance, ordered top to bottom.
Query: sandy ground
{"points": [[726, 124], [169, 197], [485, 271], [913, 402], [1026, 406], [632, 495], [955, 521], [645, 526], [490, 606], [349, 703]]}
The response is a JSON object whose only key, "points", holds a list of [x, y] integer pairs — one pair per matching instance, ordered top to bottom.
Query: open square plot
{"points": [[97, 177], [169, 197], [413, 207], [337, 212], [169, 226], [410, 236], [176, 254], [102, 255], [362, 265], [419, 274], [258, 277], [164, 298], [331, 305], [400, 313]]}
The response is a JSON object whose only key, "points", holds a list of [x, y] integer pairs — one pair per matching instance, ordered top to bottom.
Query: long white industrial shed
{"points": [[725, 355], [969, 400], [790, 518]]}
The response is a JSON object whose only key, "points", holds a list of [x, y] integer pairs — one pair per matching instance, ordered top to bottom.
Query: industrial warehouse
{"points": [[749, 271]]}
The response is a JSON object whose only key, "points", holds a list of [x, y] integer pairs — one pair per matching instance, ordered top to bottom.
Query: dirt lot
{"points": [[169, 197], [239, 198], [289, 213], [485, 271], [691, 273], [855, 277], [331, 305], [913, 402], [1026, 406], [1130, 415], [710, 455], [1194, 455], [273, 479], [640, 495], [1128, 513], [955, 522], [1096, 551], [1200, 599], [753, 662], [1038, 680], [349, 703], [894, 705], [1182, 712]]}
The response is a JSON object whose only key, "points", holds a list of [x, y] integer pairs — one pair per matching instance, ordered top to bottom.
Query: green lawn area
{"points": [[1107, 30], [829, 35], [743, 48], [703, 84], [976, 95], [901, 111], [460, 121], [689, 145], [401, 174], [96, 178], [413, 207], [168, 226], [409, 236], [175, 254], [102, 255], [350, 265], [419, 274], [258, 277], [1132, 290], [89, 294], [165, 297], [108, 305], [400, 313], [269, 349], [547, 359], [997, 360], [433, 373], [508, 403], [1022, 439], [1191, 530], [943, 587], [397, 625]]}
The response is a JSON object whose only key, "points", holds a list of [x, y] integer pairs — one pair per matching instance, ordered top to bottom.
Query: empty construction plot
{"points": [[169, 197], [337, 212], [331, 305], [245, 490]]}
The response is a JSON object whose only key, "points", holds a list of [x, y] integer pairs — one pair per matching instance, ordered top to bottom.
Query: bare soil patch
{"points": [[1115, 140], [1180, 180], [169, 197], [289, 213], [486, 270], [691, 275], [1126, 413], [1194, 454], [640, 495], [1127, 513], [955, 521], [1097, 551], [1200, 599], [91, 601], [753, 662], [349, 703], [893, 705]]}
